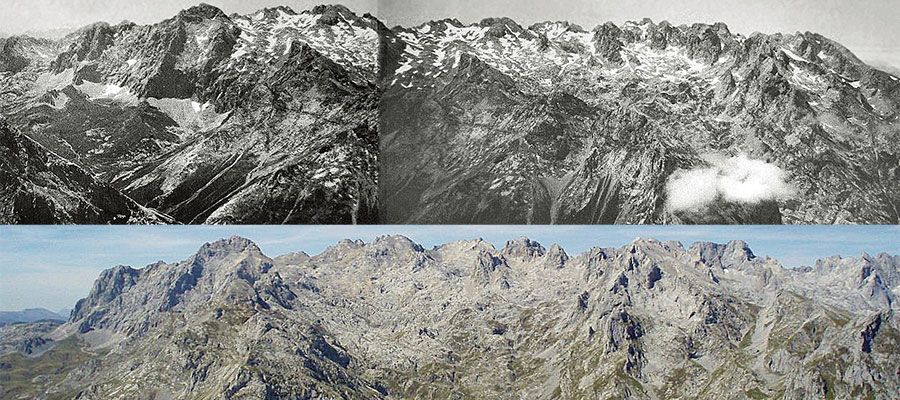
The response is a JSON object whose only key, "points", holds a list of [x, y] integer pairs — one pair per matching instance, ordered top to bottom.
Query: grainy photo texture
{"points": [[585, 112], [267, 117]]}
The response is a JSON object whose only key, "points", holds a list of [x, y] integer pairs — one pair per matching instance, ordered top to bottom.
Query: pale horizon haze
{"points": [[21, 16]]}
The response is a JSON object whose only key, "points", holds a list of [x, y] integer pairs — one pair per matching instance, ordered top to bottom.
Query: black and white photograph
{"points": [[641, 112], [250, 113]]}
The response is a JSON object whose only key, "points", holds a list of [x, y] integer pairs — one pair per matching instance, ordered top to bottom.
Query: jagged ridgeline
{"points": [[264, 118], [646, 122], [391, 320]]}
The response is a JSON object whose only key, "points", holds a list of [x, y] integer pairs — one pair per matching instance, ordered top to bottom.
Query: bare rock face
{"points": [[607, 42], [89, 44], [19, 52], [266, 118], [554, 124], [725, 213], [390, 319], [28, 339]]}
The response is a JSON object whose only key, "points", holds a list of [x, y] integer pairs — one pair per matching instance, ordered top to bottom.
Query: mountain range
{"points": [[325, 116], [312, 117], [266, 118], [643, 123], [32, 315], [390, 319]]}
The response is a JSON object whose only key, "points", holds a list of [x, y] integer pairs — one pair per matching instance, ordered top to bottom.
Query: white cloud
{"points": [[736, 179]]}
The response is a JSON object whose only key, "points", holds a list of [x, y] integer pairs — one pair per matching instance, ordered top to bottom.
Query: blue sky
{"points": [[53, 267]]}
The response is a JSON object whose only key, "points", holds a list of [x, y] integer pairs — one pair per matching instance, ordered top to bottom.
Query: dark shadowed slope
{"points": [[267, 118], [644, 123]]}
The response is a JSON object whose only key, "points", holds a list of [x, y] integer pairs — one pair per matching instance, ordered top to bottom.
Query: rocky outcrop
{"points": [[608, 43], [88, 45], [19, 53], [12, 60], [523, 249], [722, 256], [107, 288], [28, 339]]}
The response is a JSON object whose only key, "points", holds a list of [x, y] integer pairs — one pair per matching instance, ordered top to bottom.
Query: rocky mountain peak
{"points": [[200, 12], [273, 12], [334, 13], [440, 25], [499, 27], [607, 28], [87, 29], [722, 29], [87, 44], [19, 52], [302, 53], [476, 72], [349, 243], [397, 243], [643, 244], [477, 246], [225, 247], [522, 248], [740, 249], [722, 255], [556, 257], [882, 267], [113, 280], [109, 286]]}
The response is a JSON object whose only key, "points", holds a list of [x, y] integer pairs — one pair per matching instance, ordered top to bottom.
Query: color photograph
{"points": [[449, 200], [405, 312]]}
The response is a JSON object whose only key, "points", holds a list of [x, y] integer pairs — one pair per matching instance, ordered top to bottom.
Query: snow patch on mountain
{"points": [[265, 37], [793, 55], [112, 90], [108, 91]]}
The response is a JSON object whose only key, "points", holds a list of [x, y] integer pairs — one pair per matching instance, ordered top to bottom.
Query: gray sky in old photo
{"points": [[40, 15]]}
